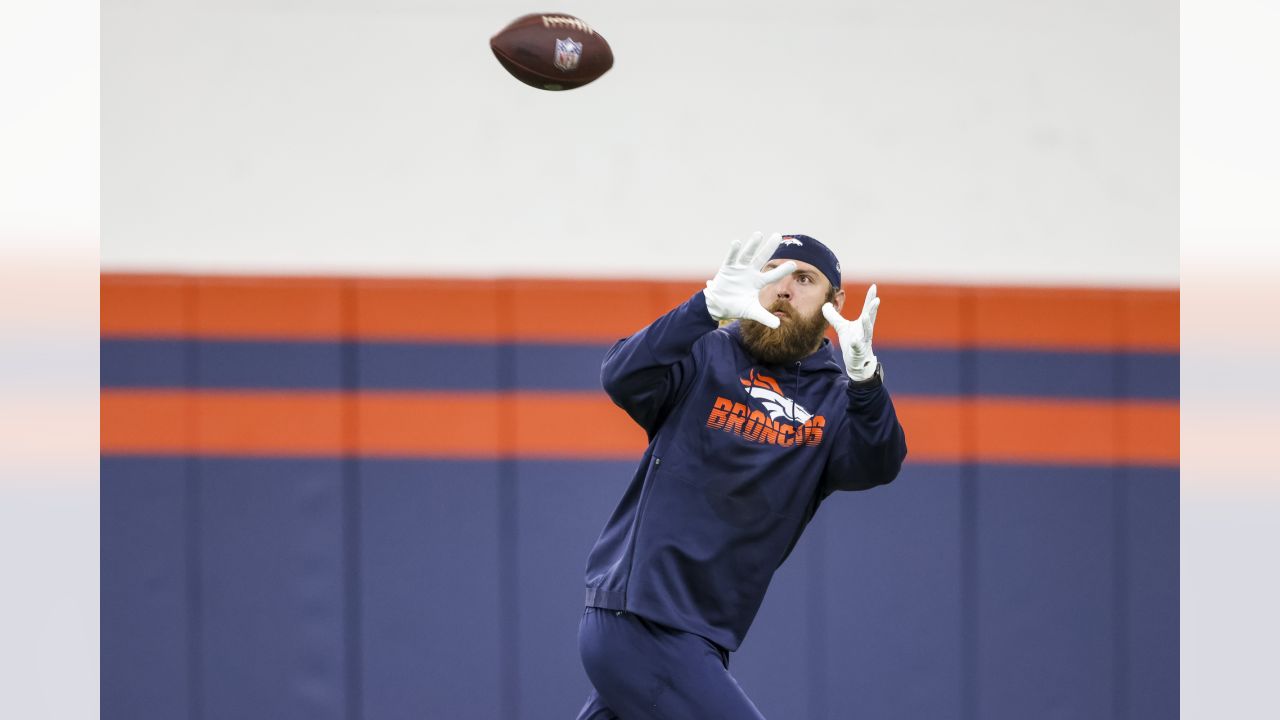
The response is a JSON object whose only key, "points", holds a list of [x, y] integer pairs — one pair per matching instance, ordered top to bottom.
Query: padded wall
{"points": [[373, 498]]}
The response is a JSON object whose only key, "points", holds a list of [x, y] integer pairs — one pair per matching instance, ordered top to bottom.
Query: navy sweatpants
{"points": [[642, 670]]}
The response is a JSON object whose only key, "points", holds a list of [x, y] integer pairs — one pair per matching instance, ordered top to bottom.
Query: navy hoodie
{"points": [[740, 455]]}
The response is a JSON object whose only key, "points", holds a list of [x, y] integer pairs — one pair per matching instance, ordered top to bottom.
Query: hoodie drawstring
{"points": [[795, 390]]}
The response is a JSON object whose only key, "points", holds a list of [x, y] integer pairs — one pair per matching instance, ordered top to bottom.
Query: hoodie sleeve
{"points": [[644, 374], [870, 444]]}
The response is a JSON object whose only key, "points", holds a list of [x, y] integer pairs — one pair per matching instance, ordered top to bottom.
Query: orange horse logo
{"points": [[769, 393]]}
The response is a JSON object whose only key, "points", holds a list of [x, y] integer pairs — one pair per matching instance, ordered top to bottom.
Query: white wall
{"points": [[983, 141]]}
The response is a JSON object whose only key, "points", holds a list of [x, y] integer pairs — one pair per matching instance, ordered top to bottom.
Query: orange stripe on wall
{"points": [[673, 292], [145, 305], [283, 308], [400, 309], [578, 310], [600, 311], [913, 316], [1045, 318], [1075, 319], [1151, 320], [147, 421], [216, 423], [266, 423], [435, 424], [463, 425], [583, 425], [586, 425], [934, 428], [1039, 431], [1076, 431], [1151, 433]]}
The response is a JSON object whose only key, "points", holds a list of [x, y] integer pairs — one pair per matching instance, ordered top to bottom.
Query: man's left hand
{"points": [[855, 337]]}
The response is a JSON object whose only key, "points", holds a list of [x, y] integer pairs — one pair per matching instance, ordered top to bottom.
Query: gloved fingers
{"points": [[735, 248], [749, 250], [766, 251], [776, 274], [871, 298], [758, 313], [834, 317], [869, 319]]}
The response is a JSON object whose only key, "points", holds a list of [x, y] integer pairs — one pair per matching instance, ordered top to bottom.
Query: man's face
{"points": [[802, 292], [797, 302]]}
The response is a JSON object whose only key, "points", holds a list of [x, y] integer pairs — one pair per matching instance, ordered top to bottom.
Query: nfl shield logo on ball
{"points": [[568, 53]]}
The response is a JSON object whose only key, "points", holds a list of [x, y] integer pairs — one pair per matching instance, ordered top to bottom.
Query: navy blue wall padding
{"points": [[127, 363], [299, 364], [291, 365], [435, 366], [557, 367], [922, 372], [1044, 374], [1152, 376], [561, 506], [1045, 579], [272, 587], [380, 589], [429, 589], [891, 591], [1150, 607], [146, 655], [775, 663]]}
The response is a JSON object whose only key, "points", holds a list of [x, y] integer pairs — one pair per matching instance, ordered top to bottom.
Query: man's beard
{"points": [[795, 338]]}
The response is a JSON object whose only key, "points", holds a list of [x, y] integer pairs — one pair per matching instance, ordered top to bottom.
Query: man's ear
{"points": [[839, 301]]}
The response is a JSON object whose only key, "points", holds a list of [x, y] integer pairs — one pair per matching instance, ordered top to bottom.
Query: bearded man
{"points": [[750, 425]]}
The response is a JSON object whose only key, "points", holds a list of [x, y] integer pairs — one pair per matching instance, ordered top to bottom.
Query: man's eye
{"points": [[805, 279]]}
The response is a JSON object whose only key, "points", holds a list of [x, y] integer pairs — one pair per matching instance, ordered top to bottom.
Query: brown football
{"points": [[552, 51]]}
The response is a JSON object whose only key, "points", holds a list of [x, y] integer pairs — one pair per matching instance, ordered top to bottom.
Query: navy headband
{"points": [[803, 247]]}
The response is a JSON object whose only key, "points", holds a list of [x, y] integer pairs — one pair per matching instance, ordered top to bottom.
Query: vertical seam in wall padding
{"points": [[192, 510], [508, 513], [1120, 528], [352, 530], [195, 589], [1120, 610], [816, 622], [969, 676]]}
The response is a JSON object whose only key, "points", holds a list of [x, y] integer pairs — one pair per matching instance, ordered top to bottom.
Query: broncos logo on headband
{"points": [[769, 393]]}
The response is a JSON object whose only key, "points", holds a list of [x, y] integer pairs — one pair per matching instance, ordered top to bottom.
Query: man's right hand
{"points": [[734, 293]]}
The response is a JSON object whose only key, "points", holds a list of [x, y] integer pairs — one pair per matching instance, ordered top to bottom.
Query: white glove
{"points": [[734, 293], [855, 337]]}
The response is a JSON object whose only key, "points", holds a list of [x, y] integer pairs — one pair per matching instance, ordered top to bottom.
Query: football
{"points": [[552, 51]]}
